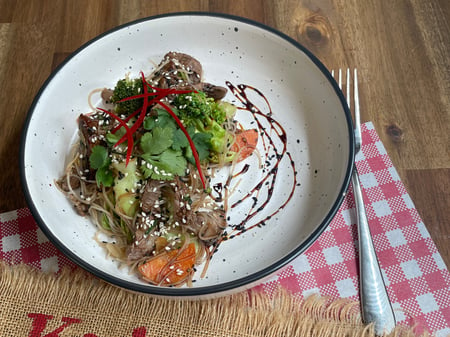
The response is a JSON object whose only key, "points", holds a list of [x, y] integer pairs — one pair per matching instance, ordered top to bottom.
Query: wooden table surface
{"points": [[401, 49]]}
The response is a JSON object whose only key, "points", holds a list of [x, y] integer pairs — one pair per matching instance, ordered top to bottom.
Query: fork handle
{"points": [[375, 303]]}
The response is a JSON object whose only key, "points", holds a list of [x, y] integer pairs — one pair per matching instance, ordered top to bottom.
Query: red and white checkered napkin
{"points": [[417, 279]]}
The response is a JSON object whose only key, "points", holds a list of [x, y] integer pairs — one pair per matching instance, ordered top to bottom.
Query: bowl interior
{"points": [[301, 94]]}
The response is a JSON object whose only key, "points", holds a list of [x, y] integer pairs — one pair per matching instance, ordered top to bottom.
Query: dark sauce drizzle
{"points": [[274, 143]]}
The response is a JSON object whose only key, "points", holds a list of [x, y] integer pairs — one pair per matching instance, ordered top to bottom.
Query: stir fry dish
{"points": [[143, 164]]}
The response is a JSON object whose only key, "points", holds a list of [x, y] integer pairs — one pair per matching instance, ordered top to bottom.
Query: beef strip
{"points": [[187, 62], [171, 78], [214, 91], [91, 134], [151, 195], [144, 243]]}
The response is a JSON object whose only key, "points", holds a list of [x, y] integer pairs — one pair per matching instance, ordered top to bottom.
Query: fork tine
{"points": [[347, 95], [356, 108]]}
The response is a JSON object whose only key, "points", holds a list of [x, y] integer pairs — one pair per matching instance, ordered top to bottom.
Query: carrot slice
{"points": [[245, 143], [170, 267]]}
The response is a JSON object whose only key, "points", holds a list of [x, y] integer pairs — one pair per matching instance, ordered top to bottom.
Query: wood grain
{"points": [[401, 49]]}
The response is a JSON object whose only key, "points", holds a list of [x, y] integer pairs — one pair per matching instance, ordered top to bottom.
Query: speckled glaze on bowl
{"points": [[304, 99]]}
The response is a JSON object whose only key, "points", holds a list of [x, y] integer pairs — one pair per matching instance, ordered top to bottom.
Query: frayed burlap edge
{"points": [[105, 310]]}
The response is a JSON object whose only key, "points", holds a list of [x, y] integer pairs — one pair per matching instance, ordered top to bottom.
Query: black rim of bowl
{"points": [[237, 284]]}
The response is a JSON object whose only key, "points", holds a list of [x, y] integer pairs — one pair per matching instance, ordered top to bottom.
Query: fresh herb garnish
{"points": [[155, 95], [100, 161]]}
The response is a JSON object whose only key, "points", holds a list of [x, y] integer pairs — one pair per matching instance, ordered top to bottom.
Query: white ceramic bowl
{"points": [[304, 99]]}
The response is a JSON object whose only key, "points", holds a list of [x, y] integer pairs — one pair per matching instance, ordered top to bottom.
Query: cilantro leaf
{"points": [[162, 120], [165, 120], [149, 122], [113, 138], [179, 140], [157, 141], [202, 142], [99, 157], [99, 160], [173, 162], [164, 166], [104, 176]]}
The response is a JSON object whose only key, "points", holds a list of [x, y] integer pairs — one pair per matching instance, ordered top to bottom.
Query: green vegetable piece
{"points": [[126, 88], [193, 105], [228, 108], [162, 120], [218, 137], [113, 138], [179, 140], [157, 141], [202, 142], [99, 157], [99, 160], [164, 166], [104, 177], [124, 184], [105, 222], [126, 231]]}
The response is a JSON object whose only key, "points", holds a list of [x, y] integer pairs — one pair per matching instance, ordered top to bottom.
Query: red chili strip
{"points": [[160, 94], [143, 110], [141, 118], [126, 120], [128, 135], [191, 143]]}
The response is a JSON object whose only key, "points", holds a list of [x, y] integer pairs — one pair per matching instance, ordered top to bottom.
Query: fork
{"points": [[375, 305]]}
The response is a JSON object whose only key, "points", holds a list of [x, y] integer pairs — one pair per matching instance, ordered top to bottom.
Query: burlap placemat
{"points": [[37, 304]]}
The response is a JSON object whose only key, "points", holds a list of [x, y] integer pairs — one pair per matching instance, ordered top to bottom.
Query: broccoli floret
{"points": [[125, 88], [197, 106], [206, 116]]}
